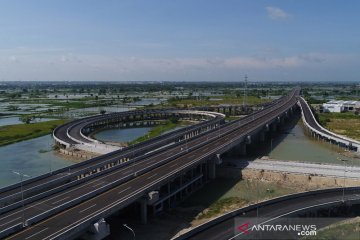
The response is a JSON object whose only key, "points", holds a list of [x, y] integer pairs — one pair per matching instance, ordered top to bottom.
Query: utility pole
{"points": [[245, 89], [21, 175]]}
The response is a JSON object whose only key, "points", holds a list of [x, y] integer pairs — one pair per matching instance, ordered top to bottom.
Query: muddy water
{"points": [[293, 143]]}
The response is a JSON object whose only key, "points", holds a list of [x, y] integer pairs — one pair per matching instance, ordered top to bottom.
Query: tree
{"points": [[12, 108], [102, 111], [26, 119], [173, 119]]}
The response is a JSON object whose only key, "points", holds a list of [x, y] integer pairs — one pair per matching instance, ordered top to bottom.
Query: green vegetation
{"points": [[215, 100], [26, 118], [231, 118], [347, 123], [158, 130], [19, 132], [223, 195], [221, 206], [345, 230]]}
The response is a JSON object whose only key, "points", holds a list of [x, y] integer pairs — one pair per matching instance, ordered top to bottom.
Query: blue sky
{"points": [[180, 40]]}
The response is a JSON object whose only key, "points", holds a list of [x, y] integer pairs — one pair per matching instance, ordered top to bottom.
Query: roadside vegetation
{"points": [[192, 101], [232, 118], [347, 123], [160, 129], [19, 132], [225, 195], [344, 230]]}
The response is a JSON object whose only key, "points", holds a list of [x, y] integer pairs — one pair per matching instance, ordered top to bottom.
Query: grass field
{"points": [[226, 99], [347, 124], [158, 130], [19, 132], [224, 195], [344, 230]]}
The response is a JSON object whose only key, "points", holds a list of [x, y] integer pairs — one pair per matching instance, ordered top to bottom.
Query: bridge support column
{"points": [[282, 120], [273, 127], [262, 136], [242, 149], [237, 150], [212, 168], [143, 210], [98, 230]]}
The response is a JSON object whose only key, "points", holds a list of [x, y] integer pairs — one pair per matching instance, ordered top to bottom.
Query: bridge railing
{"points": [[239, 212]]}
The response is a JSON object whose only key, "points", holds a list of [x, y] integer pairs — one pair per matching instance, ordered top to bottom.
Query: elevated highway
{"points": [[317, 130], [76, 133], [34, 188], [72, 210], [271, 211]]}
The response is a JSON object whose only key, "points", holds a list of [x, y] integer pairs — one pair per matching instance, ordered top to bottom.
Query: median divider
{"points": [[53, 182], [115, 183], [80, 199], [10, 230]]}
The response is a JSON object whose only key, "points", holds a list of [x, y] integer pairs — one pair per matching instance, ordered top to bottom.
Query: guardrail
{"points": [[326, 133], [126, 153], [73, 175], [84, 197], [238, 212], [80, 224]]}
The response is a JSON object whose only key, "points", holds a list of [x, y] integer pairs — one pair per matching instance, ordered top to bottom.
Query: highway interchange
{"points": [[156, 168], [67, 174]]}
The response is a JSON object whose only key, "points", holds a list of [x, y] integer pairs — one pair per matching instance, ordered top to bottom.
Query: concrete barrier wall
{"points": [[326, 133], [17, 195], [134, 196], [237, 212], [10, 230]]}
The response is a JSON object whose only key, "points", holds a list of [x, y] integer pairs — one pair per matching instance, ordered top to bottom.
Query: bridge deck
{"points": [[157, 169]]}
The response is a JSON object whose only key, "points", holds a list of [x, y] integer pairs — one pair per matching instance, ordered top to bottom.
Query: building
{"points": [[341, 106]]}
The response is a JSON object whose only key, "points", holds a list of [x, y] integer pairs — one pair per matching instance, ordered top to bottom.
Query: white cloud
{"points": [[276, 13], [13, 59], [57, 65]]}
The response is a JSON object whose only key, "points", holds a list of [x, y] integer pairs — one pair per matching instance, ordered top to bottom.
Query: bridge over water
{"points": [[67, 203]]}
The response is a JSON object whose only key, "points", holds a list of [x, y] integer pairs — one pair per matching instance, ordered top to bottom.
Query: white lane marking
{"points": [[205, 150], [135, 164], [173, 165], [127, 172], [152, 176], [100, 183], [124, 190], [123, 199], [60, 200], [87, 208], [293, 211], [10, 221], [37, 233]]}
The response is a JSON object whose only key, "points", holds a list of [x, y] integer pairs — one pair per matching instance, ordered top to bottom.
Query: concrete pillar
{"points": [[282, 120], [273, 127], [262, 136], [248, 139], [242, 149], [212, 168], [143, 211], [98, 230]]}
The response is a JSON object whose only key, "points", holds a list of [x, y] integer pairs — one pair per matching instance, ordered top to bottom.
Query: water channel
{"points": [[122, 134], [293, 143], [34, 157]]}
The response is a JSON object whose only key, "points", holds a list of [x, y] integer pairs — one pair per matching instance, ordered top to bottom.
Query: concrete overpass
{"points": [[320, 132], [76, 134], [155, 180]]}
